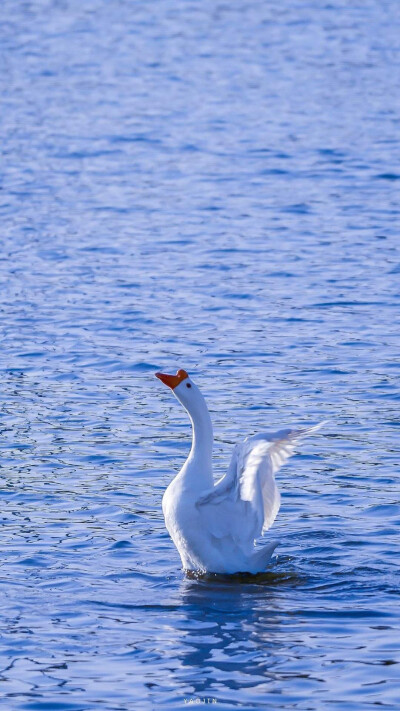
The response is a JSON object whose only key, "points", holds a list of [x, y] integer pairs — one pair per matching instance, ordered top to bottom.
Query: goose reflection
{"points": [[231, 632]]}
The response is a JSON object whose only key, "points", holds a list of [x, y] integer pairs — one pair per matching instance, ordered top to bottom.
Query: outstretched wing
{"points": [[245, 502]]}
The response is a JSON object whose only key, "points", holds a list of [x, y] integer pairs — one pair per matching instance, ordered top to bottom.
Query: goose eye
{"points": [[188, 385]]}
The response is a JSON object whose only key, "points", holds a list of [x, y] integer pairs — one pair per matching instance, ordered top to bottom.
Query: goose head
{"points": [[185, 390]]}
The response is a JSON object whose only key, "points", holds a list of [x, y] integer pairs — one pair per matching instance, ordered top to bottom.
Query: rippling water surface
{"points": [[216, 187]]}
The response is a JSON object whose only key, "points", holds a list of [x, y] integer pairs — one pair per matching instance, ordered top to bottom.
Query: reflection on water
{"points": [[215, 187], [231, 635]]}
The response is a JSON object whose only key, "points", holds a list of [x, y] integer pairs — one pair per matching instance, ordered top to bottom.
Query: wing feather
{"points": [[245, 502]]}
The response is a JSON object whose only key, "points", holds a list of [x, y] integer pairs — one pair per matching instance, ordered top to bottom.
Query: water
{"points": [[210, 186]]}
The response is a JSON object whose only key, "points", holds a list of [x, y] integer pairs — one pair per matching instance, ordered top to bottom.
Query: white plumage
{"points": [[214, 527]]}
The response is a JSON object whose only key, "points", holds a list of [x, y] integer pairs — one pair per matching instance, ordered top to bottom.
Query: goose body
{"points": [[214, 526]]}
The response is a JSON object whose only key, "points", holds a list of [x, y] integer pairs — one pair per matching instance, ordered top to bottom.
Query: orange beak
{"points": [[172, 380]]}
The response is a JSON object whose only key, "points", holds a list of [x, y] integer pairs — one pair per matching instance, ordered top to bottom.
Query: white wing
{"points": [[245, 502]]}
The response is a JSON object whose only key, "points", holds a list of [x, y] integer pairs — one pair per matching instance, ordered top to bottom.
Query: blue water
{"points": [[216, 187]]}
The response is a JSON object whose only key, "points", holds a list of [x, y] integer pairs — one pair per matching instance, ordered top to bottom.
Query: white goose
{"points": [[214, 526]]}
